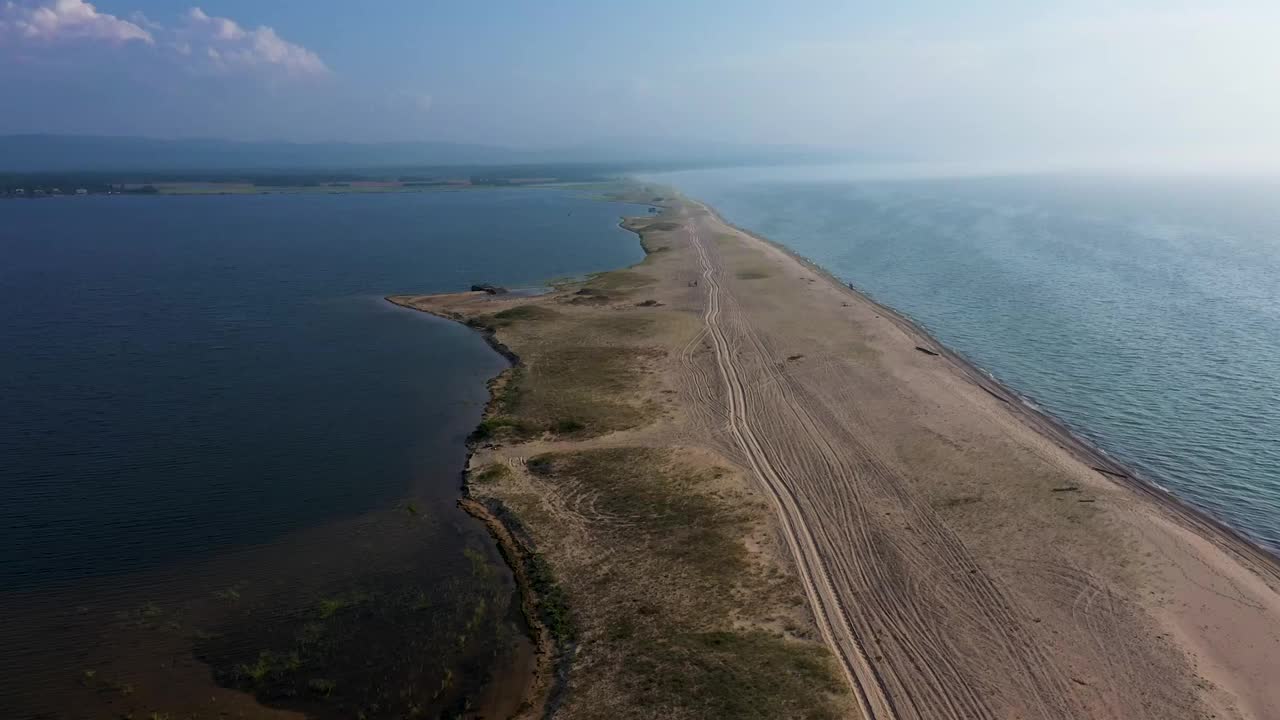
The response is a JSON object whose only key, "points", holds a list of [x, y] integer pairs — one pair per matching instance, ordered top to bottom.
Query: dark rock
{"points": [[487, 288]]}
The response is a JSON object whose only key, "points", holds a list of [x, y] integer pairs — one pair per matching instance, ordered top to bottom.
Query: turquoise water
{"points": [[1143, 313], [214, 431]]}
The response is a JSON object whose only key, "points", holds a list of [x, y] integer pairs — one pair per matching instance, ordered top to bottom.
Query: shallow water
{"points": [[1144, 313], [224, 456]]}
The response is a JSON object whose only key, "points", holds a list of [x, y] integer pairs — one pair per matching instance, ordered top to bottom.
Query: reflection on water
{"points": [[228, 468]]}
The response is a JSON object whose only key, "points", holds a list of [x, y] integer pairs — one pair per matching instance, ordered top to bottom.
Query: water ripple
{"points": [[1144, 314]]}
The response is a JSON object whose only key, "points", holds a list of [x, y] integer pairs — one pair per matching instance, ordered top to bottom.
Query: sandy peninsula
{"points": [[734, 487]]}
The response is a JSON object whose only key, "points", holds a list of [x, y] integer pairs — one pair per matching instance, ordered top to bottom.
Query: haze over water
{"points": [[1144, 313], [218, 440]]}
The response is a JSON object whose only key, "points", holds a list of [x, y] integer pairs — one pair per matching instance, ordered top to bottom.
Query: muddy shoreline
{"points": [[516, 547]]}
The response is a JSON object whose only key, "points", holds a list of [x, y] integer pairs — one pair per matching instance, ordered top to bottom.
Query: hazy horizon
{"points": [[1181, 85]]}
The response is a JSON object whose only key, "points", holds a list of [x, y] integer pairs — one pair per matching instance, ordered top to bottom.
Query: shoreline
{"points": [[1042, 421], [551, 664]]}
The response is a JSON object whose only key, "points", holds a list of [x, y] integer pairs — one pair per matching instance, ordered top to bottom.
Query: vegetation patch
{"points": [[651, 248], [752, 274], [619, 281], [590, 296], [526, 312], [510, 316], [622, 327], [569, 390], [567, 426], [502, 427], [491, 473], [660, 505], [553, 604], [328, 607], [654, 611], [389, 648], [738, 674]]}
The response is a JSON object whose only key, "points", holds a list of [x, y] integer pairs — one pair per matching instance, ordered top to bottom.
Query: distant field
{"points": [[349, 180], [197, 188], [241, 188]]}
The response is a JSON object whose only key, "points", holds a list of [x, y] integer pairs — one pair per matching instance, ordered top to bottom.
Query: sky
{"points": [[1183, 81]]}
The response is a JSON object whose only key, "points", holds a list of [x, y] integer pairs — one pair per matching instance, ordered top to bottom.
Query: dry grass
{"points": [[620, 282], [510, 316], [580, 366], [565, 390], [493, 472], [665, 513], [663, 608]]}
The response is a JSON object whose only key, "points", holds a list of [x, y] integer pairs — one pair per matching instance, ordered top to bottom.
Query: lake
{"points": [[228, 468]]}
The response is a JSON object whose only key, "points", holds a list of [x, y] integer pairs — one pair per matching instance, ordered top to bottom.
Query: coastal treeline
{"points": [[33, 185]]}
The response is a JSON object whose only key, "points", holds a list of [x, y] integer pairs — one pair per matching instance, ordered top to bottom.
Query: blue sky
{"points": [[994, 78]]}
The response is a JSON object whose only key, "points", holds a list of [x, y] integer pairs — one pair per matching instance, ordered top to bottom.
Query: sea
{"points": [[1142, 312], [229, 468]]}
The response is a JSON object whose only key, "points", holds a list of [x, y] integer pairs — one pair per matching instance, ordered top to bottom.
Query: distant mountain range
{"points": [[90, 153]]}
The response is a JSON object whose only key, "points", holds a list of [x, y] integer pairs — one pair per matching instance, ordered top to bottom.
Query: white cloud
{"points": [[140, 19], [55, 20], [223, 28], [201, 41], [234, 47]]}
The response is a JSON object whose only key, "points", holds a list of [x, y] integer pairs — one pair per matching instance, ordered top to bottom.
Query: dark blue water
{"points": [[1145, 313], [189, 379]]}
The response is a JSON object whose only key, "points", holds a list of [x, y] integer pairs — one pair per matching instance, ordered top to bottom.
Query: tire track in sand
{"points": [[885, 604], [828, 610]]}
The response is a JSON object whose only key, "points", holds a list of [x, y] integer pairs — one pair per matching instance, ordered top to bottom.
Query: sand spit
{"points": [[730, 462]]}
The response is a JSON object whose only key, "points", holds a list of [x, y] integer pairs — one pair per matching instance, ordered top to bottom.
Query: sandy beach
{"points": [[894, 534]]}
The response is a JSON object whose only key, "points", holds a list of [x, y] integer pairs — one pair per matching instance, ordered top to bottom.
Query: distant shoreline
{"points": [[43, 185], [238, 188]]}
